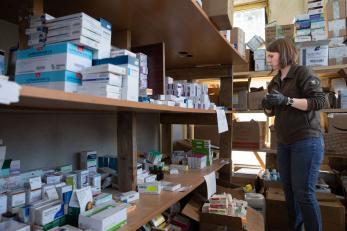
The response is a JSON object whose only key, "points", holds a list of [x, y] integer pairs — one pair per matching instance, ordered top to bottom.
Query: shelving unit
{"points": [[140, 25]]}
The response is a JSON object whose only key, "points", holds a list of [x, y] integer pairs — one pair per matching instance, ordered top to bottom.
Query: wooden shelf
{"points": [[152, 22], [323, 72], [46, 99], [335, 110], [248, 111], [267, 150], [150, 206]]}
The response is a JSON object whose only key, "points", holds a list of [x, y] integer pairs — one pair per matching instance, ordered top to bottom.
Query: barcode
{"points": [[317, 60]]}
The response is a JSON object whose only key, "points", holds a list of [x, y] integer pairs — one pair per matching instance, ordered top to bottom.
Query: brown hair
{"points": [[287, 50]]}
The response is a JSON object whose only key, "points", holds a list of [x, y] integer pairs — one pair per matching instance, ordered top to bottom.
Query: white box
{"points": [[315, 4], [316, 11], [302, 17], [62, 21], [318, 24], [67, 26], [319, 31], [303, 32], [73, 33], [319, 37], [306, 38], [337, 41], [255, 42], [105, 45], [121, 52], [260, 54], [314, 55], [55, 57], [260, 65], [109, 68], [101, 79], [56, 80], [130, 88], [113, 89], [53, 178], [82, 178], [150, 178], [95, 182], [170, 186], [149, 188], [33, 196], [129, 197], [102, 199], [15, 200], [3, 204], [49, 213], [103, 218], [12, 225]]}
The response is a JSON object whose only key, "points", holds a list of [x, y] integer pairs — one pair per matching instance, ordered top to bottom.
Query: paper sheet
{"points": [[9, 92], [221, 121], [35, 183], [211, 184], [52, 193]]}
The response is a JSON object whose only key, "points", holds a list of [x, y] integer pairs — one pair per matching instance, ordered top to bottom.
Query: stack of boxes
{"points": [[303, 28], [37, 31], [278, 31], [337, 31], [237, 40], [260, 60], [55, 66], [143, 66], [103, 80], [130, 81], [202, 147]]}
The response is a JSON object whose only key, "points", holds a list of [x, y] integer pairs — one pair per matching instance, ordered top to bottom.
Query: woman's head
{"points": [[281, 53]]}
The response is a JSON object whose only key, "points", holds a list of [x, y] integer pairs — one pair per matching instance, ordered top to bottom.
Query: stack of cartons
{"points": [[37, 31], [278, 31], [237, 40], [260, 60], [143, 66], [103, 80], [203, 147]]}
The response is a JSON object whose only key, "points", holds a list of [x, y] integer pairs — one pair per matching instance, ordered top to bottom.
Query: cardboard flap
{"points": [[192, 209]]}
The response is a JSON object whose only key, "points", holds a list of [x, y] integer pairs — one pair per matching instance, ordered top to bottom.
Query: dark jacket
{"points": [[292, 124]]}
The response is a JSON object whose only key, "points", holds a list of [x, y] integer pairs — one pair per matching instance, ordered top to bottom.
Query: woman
{"points": [[294, 98]]}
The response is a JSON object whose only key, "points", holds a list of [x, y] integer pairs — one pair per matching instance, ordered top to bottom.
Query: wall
{"points": [[284, 11], [8, 38]]}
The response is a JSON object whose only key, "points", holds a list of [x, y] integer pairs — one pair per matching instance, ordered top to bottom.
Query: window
{"points": [[251, 21]]}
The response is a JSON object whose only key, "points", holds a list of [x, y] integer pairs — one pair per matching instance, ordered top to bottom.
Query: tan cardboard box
{"points": [[336, 9], [220, 12], [337, 28], [279, 31], [237, 39], [255, 99], [249, 135], [333, 212]]}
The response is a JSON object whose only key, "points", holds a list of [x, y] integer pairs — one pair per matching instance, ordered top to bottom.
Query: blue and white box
{"points": [[105, 43], [55, 57], [57, 80]]}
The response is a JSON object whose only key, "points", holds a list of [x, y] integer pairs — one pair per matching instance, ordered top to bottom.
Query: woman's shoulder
{"points": [[304, 71]]}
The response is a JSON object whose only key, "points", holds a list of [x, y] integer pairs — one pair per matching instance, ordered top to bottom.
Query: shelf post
{"points": [[226, 90], [166, 136], [225, 145], [127, 151]]}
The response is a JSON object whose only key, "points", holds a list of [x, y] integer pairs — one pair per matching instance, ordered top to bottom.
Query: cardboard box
{"points": [[335, 9], [220, 12], [337, 28], [279, 31], [237, 40], [260, 54], [314, 55], [337, 55], [55, 57], [57, 80], [240, 95], [255, 98], [249, 135], [333, 212], [108, 217]]}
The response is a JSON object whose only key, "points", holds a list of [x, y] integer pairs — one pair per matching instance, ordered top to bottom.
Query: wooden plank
{"points": [[156, 21], [122, 39], [156, 66], [219, 71], [226, 92], [42, 98], [184, 118], [166, 138], [225, 145], [127, 149], [260, 161], [150, 206]]}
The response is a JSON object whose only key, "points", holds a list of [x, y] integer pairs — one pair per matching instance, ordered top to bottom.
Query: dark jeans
{"points": [[299, 165]]}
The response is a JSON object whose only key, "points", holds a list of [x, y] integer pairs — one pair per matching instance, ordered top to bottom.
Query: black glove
{"points": [[276, 98], [266, 104]]}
